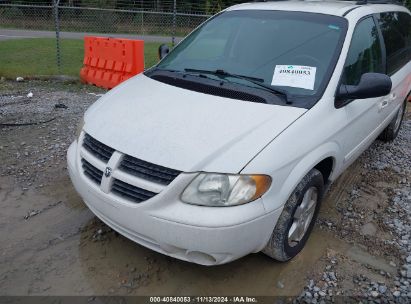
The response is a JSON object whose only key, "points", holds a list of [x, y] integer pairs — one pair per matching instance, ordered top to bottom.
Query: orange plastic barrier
{"points": [[109, 61]]}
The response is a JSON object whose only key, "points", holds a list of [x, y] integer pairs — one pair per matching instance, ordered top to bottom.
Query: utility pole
{"points": [[57, 26], [173, 39]]}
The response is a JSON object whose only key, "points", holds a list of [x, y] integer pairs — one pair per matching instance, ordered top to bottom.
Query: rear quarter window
{"points": [[396, 31]]}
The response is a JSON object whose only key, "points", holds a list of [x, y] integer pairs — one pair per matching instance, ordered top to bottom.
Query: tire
{"points": [[391, 131], [281, 247]]}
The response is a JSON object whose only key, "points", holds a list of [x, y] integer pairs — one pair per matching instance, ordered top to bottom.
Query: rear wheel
{"points": [[391, 131], [297, 219]]}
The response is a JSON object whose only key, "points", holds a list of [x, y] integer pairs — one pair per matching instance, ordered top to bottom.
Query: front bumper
{"points": [[203, 235]]}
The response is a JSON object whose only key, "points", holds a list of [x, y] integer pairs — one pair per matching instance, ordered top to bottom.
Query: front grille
{"points": [[98, 149], [129, 165], [148, 171], [92, 172], [130, 192]]}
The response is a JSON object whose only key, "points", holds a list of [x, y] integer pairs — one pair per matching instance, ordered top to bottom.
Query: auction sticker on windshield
{"points": [[296, 76]]}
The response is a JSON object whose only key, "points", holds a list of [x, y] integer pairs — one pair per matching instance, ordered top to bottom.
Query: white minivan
{"points": [[227, 145]]}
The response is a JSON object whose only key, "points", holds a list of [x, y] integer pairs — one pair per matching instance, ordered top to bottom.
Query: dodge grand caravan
{"points": [[227, 145]]}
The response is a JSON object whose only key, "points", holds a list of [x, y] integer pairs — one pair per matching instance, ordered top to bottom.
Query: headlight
{"points": [[80, 127], [221, 190]]}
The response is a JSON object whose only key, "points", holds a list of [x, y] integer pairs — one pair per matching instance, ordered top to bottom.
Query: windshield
{"points": [[290, 51]]}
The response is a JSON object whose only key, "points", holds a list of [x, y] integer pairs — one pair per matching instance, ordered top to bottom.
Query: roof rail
{"points": [[358, 2], [398, 2]]}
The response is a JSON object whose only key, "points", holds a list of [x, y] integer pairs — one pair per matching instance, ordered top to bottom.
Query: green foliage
{"points": [[96, 3], [201, 6], [12, 12]]}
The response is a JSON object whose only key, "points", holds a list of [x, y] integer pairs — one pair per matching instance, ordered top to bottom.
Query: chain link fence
{"points": [[59, 17], [98, 20]]}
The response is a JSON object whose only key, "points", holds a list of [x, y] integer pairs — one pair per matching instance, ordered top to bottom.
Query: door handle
{"points": [[384, 103]]}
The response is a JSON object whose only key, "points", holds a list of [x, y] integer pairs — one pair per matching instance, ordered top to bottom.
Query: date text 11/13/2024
{"points": [[204, 299]]}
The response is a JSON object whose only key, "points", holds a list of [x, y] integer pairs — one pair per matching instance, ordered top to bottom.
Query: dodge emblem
{"points": [[107, 172]]}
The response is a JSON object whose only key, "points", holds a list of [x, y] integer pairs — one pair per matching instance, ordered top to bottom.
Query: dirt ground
{"points": [[51, 244]]}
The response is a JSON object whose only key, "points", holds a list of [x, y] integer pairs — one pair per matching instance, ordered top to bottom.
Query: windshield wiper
{"points": [[162, 69], [224, 73], [198, 74], [257, 81]]}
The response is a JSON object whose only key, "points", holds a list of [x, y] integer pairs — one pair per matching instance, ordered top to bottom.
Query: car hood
{"points": [[182, 129]]}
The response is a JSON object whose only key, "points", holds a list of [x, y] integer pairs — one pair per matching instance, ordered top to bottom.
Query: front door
{"points": [[363, 116]]}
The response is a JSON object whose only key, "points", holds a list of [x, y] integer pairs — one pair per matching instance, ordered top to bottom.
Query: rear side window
{"points": [[396, 30], [364, 55]]}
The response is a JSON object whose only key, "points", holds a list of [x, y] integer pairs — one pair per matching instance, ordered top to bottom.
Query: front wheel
{"points": [[391, 131], [297, 219]]}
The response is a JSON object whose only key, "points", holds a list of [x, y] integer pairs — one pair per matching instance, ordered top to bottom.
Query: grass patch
{"points": [[35, 57]]}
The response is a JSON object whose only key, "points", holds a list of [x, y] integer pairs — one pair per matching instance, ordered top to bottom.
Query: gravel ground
{"points": [[58, 111], [376, 213], [53, 245]]}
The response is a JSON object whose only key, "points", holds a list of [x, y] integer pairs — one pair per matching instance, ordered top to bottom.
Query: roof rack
{"points": [[359, 2], [398, 2]]}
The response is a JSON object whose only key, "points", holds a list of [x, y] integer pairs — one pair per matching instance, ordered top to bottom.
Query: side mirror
{"points": [[163, 50], [371, 85]]}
